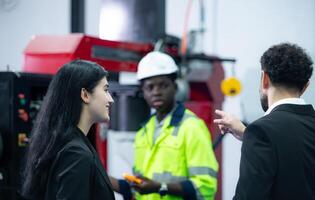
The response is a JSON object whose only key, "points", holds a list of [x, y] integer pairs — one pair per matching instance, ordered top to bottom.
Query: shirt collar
{"points": [[296, 101], [160, 124]]}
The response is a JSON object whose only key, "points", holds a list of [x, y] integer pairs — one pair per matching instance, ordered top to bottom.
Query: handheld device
{"points": [[132, 178]]}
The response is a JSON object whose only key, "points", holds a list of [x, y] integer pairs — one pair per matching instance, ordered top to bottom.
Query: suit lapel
{"points": [[97, 161], [101, 169]]}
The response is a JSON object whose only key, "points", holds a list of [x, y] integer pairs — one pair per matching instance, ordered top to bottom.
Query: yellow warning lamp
{"points": [[231, 86]]}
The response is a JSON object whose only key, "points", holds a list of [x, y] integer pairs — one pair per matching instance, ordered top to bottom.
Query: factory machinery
{"points": [[22, 94]]}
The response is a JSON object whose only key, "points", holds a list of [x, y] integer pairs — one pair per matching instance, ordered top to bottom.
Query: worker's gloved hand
{"points": [[125, 189]]}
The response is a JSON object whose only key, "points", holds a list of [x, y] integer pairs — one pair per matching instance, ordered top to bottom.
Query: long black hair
{"points": [[59, 113]]}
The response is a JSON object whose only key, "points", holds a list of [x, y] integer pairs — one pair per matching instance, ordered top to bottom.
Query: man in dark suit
{"points": [[278, 150]]}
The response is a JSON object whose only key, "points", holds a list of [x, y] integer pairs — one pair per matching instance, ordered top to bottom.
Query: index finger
{"points": [[220, 113], [220, 121]]}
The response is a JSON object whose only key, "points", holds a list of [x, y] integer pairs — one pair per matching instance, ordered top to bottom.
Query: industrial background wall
{"points": [[132, 20], [240, 29]]}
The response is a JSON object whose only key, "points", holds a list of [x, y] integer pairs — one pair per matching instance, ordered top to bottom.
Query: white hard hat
{"points": [[154, 64]]}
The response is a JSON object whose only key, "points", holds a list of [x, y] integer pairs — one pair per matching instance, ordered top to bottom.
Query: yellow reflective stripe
{"points": [[186, 116], [202, 171], [167, 177], [198, 193]]}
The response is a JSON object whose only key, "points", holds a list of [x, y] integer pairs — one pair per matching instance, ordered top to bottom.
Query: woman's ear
{"points": [[85, 95]]}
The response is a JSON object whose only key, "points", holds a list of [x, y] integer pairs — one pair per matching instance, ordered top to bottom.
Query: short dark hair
{"points": [[287, 65], [59, 113]]}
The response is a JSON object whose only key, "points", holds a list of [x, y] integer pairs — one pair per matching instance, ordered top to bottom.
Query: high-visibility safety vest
{"points": [[182, 152]]}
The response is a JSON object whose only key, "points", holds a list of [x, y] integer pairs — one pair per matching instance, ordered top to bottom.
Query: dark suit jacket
{"points": [[278, 156], [77, 173]]}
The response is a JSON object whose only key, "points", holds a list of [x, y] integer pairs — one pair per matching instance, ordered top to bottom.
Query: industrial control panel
{"points": [[21, 95]]}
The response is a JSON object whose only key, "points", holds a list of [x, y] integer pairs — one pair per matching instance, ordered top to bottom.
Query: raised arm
{"points": [[228, 123]]}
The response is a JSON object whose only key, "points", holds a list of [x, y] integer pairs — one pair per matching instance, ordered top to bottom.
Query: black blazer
{"points": [[278, 156], [77, 173]]}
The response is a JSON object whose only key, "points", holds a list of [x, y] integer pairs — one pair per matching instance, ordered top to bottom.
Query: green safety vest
{"points": [[182, 152]]}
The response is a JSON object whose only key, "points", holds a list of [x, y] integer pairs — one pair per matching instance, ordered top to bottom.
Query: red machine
{"points": [[46, 54]]}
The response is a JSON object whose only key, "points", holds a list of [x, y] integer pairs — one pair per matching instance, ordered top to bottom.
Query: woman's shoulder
{"points": [[76, 147]]}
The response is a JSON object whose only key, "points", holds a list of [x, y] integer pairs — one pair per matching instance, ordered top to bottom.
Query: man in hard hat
{"points": [[173, 151]]}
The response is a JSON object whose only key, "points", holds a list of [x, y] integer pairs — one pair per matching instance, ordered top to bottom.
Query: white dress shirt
{"points": [[296, 101]]}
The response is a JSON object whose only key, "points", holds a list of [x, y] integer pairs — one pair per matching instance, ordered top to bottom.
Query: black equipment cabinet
{"points": [[21, 95]]}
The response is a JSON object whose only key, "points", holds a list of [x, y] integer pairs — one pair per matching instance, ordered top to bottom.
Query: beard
{"points": [[264, 102]]}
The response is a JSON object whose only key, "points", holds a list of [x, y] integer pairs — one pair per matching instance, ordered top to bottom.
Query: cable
{"points": [[183, 47], [217, 140]]}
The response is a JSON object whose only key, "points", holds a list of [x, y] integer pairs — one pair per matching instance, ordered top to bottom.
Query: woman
{"points": [[61, 162]]}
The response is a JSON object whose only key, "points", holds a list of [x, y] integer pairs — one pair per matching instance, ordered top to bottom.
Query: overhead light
{"points": [[112, 21]]}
